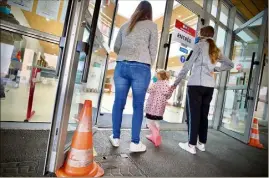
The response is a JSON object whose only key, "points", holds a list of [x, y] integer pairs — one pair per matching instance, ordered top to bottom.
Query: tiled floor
{"points": [[224, 156]]}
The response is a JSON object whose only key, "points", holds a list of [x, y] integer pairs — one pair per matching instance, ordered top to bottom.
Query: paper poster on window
{"points": [[22, 4], [48, 9], [64, 11]]}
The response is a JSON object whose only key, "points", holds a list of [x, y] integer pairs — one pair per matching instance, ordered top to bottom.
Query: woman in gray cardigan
{"points": [[136, 47]]}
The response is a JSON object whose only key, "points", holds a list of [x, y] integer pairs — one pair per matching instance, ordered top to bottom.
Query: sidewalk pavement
{"points": [[224, 156]]}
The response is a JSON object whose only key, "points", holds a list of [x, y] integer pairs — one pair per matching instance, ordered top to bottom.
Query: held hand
{"points": [[173, 87]]}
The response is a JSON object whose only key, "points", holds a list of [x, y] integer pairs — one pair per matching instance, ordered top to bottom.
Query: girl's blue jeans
{"points": [[136, 75]]}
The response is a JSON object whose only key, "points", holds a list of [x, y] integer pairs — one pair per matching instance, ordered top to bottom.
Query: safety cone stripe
{"points": [[255, 126], [84, 128], [255, 136], [80, 158], [79, 163]]}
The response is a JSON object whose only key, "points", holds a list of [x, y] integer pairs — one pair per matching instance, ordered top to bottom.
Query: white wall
{"points": [[51, 59]]}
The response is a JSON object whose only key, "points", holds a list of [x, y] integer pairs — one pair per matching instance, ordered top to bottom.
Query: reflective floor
{"points": [[14, 106]]}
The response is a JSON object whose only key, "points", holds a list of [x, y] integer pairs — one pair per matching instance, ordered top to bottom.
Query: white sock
{"points": [[150, 122], [157, 124]]}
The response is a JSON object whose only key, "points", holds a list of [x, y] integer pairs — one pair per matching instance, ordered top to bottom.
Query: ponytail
{"points": [[207, 33], [213, 51]]}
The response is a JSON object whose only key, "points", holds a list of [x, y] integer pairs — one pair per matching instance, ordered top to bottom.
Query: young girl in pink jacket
{"points": [[159, 93]]}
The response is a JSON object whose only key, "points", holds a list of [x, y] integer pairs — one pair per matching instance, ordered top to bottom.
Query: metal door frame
{"points": [[80, 19], [29, 32], [70, 56], [254, 84]]}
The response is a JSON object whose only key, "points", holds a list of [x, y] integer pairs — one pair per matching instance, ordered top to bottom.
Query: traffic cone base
{"points": [[255, 143], [96, 171]]}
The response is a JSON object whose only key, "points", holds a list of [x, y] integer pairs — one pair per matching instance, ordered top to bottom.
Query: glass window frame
{"points": [[221, 8]]}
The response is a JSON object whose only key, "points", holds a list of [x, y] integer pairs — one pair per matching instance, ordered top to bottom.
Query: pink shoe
{"points": [[155, 136], [158, 138]]}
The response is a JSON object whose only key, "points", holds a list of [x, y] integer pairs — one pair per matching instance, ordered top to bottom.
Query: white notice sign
{"points": [[23, 4], [48, 9], [184, 34]]}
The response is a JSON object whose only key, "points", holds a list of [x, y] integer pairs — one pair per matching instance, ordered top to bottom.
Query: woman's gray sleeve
{"points": [[118, 42], [153, 44], [226, 64], [188, 65]]}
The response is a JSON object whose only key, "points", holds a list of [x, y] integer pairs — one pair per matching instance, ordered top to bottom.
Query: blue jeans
{"points": [[137, 76]]}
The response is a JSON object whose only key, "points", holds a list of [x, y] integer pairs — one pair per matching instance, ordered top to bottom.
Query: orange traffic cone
{"points": [[255, 137], [80, 158]]}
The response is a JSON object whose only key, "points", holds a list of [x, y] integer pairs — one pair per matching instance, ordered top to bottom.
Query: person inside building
{"points": [[7, 40], [136, 47], [204, 61]]}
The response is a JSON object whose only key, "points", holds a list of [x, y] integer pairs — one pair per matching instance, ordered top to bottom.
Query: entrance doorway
{"points": [[123, 14], [177, 54], [244, 81]]}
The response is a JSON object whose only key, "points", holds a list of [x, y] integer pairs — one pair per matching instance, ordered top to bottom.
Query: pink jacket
{"points": [[159, 93]]}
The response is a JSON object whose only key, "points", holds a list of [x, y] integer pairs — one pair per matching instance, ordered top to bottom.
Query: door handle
{"points": [[93, 27], [62, 39], [167, 45], [249, 79], [260, 81]]}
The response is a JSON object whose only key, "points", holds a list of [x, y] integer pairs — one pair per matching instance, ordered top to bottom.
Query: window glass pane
{"points": [[199, 2], [214, 8], [224, 14], [45, 16], [105, 18], [212, 23], [237, 23], [221, 38], [26, 60], [213, 105], [236, 105]]}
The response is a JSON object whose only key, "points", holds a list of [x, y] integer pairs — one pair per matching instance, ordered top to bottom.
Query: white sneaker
{"points": [[114, 141], [200, 146], [140, 147], [187, 147]]}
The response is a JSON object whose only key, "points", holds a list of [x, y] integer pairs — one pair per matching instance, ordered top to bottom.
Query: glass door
{"points": [[84, 60], [242, 83]]}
